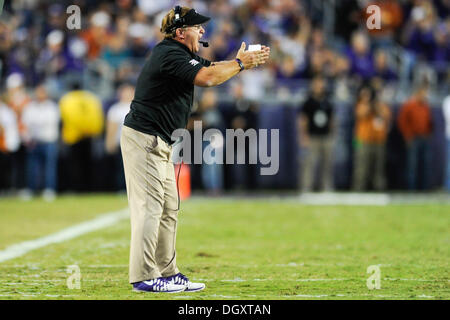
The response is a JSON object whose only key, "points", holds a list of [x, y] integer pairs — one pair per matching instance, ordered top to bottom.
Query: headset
{"points": [[180, 21]]}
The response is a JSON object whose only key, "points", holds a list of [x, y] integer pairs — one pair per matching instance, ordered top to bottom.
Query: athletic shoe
{"points": [[25, 194], [49, 195], [181, 279], [158, 285]]}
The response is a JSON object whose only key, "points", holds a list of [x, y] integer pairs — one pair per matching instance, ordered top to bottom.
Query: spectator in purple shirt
{"points": [[421, 39], [422, 43], [441, 53], [360, 56], [20, 59], [53, 59], [382, 68], [287, 72]]}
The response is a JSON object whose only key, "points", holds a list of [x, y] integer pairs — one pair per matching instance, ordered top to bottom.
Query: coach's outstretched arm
{"points": [[219, 72]]}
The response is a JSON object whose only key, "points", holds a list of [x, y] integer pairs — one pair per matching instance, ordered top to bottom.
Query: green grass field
{"points": [[241, 249]]}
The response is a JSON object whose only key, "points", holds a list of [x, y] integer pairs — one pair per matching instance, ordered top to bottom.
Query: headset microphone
{"points": [[204, 43]]}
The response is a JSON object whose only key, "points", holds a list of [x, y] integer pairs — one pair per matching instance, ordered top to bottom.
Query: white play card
{"points": [[254, 47]]}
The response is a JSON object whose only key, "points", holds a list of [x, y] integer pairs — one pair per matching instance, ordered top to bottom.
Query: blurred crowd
{"points": [[64, 93]]}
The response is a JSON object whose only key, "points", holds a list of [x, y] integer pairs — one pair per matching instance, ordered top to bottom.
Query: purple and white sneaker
{"points": [[181, 279], [158, 285]]}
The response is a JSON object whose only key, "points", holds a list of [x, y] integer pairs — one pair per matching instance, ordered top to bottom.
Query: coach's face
{"points": [[192, 35]]}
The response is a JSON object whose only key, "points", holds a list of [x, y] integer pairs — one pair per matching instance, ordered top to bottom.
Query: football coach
{"points": [[162, 103]]}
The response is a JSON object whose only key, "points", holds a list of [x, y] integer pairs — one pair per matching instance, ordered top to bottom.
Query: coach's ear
{"points": [[180, 33], [204, 78]]}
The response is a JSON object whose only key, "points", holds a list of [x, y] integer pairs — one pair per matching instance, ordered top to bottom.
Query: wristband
{"points": [[241, 65]]}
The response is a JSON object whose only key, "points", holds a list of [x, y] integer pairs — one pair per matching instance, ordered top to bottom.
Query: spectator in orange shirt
{"points": [[97, 36], [373, 118], [415, 124]]}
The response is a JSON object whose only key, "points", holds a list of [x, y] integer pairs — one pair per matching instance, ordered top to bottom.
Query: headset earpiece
{"points": [[178, 22]]}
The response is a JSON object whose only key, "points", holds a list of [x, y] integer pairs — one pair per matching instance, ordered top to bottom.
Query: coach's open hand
{"points": [[252, 59]]}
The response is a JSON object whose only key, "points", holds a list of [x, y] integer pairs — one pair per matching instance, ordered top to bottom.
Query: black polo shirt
{"points": [[165, 90], [319, 113]]}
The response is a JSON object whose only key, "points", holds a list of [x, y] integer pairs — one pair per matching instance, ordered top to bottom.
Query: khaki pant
{"points": [[319, 152], [369, 167], [153, 200]]}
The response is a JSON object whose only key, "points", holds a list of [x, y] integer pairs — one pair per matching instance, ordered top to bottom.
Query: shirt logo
{"points": [[194, 62]]}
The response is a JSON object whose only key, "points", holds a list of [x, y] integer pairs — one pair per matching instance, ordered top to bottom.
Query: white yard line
{"points": [[331, 198], [334, 198], [103, 221], [106, 266], [301, 280], [312, 280], [315, 280], [39, 294]]}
